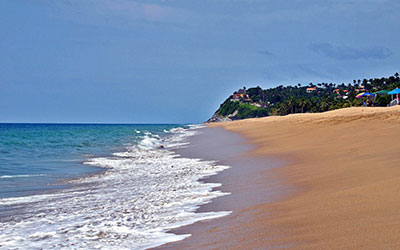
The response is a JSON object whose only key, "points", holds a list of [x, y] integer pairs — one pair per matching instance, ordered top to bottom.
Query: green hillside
{"points": [[320, 97]]}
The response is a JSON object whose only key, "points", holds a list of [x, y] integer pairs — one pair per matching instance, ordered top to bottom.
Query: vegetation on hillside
{"points": [[283, 100]]}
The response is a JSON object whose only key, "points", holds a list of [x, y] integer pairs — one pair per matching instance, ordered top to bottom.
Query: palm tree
{"points": [[262, 96], [291, 104], [303, 104], [324, 105]]}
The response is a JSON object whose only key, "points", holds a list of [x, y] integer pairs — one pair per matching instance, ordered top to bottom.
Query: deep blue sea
{"points": [[96, 186]]}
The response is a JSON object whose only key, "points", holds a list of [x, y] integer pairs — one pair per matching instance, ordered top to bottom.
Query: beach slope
{"points": [[346, 167]]}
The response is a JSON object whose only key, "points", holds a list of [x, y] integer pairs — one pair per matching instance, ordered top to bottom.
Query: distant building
{"points": [[360, 89], [310, 90], [241, 95]]}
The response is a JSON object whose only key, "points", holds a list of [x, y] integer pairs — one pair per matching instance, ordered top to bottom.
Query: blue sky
{"points": [[175, 61]]}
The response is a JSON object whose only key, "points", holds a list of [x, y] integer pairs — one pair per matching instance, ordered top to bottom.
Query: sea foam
{"points": [[145, 191]]}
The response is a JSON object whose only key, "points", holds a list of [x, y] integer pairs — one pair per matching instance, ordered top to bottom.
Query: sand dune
{"points": [[345, 165]]}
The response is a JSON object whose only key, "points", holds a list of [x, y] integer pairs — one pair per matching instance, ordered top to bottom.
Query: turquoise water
{"points": [[37, 157], [80, 186]]}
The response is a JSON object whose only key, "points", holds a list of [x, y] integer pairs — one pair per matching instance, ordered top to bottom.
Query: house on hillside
{"points": [[360, 89], [310, 90], [241, 95]]}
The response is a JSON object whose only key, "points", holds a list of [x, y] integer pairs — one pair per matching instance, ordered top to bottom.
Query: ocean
{"points": [[99, 186]]}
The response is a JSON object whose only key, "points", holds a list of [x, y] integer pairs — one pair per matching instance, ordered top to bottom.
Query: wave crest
{"points": [[146, 190]]}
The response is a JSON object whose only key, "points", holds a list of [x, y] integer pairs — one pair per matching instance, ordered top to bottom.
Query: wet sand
{"points": [[230, 149], [346, 165], [340, 176]]}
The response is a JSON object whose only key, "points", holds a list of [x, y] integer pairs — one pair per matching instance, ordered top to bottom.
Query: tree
{"points": [[365, 81], [291, 99], [263, 100], [291, 104], [303, 104], [324, 106]]}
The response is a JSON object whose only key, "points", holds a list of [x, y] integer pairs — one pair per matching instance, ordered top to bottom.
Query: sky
{"points": [[176, 61]]}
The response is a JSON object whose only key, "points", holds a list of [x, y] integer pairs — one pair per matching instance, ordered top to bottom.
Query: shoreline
{"points": [[229, 148], [345, 164], [343, 167], [142, 191]]}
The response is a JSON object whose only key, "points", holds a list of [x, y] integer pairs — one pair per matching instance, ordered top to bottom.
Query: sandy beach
{"points": [[347, 167], [341, 174], [249, 181]]}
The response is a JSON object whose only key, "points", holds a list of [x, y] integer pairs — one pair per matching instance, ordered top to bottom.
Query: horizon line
{"points": [[96, 123]]}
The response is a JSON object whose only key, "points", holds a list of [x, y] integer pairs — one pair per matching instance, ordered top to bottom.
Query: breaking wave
{"points": [[145, 191]]}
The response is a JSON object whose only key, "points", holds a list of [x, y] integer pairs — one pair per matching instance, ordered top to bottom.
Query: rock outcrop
{"points": [[219, 118]]}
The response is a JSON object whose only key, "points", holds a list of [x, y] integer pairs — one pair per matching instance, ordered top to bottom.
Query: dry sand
{"points": [[346, 167]]}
